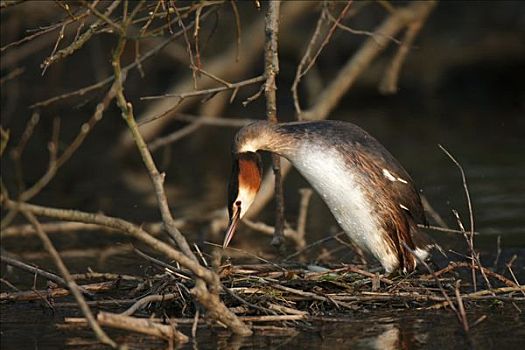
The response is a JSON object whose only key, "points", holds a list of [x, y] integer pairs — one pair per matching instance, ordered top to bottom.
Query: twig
{"points": [[104, 17], [352, 30], [44, 31], [79, 40], [307, 62], [222, 64], [125, 70], [210, 91], [209, 120], [174, 136], [16, 153], [54, 166], [156, 178], [48, 227], [154, 228], [443, 229], [470, 238], [311, 245], [454, 265], [168, 267], [509, 267], [34, 270], [362, 272], [9, 284], [55, 292], [480, 295], [312, 296], [148, 299], [461, 307], [461, 316]]}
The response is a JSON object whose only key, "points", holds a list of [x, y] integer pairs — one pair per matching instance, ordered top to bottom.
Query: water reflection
{"points": [[29, 327]]}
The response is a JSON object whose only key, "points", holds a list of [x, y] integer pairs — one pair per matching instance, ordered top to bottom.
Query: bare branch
{"points": [[271, 70], [347, 75], [389, 83], [228, 86], [209, 299]]}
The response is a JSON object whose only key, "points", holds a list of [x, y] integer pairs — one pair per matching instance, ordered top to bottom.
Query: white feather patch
{"points": [[329, 174]]}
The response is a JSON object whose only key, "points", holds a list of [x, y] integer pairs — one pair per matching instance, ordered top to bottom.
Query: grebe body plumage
{"points": [[371, 196]]}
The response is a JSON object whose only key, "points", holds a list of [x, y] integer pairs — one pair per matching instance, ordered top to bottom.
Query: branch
{"points": [[80, 40], [374, 45], [307, 62], [224, 65], [125, 70], [271, 70], [389, 83], [211, 91], [54, 166], [119, 225], [209, 299]]}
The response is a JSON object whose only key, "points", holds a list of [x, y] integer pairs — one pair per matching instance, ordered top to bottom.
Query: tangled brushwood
{"points": [[285, 296]]}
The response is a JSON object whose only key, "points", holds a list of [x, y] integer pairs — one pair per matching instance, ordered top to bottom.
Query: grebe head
{"points": [[244, 184]]}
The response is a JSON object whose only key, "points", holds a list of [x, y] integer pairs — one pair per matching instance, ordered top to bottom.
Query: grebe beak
{"points": [[244, 183], [232, 227]]}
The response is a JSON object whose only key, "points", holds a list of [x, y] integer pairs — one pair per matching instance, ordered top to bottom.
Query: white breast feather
{"points": [[328, 174]]}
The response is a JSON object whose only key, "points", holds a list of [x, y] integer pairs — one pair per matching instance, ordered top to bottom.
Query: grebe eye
{"points": [[238, 203]]}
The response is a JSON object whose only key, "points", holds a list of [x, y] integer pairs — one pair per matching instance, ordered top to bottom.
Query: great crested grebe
{"points": [[369, 193]]}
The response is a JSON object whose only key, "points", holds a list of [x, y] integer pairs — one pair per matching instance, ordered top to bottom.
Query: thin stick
{"points": [[307, 62], [125, 70], [229, 86], [55, 165], [467, 193], [120, 225], [443, 229], [470, 241], [311, 245], [455, 265], [33, 269], [55, 292], [149, 299], [461, 307]]}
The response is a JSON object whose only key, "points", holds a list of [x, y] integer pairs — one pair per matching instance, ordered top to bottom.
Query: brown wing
{"points": [[393, 195]]}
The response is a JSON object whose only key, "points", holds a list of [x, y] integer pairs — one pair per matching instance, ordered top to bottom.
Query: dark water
{"points": [[29, 327]]}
